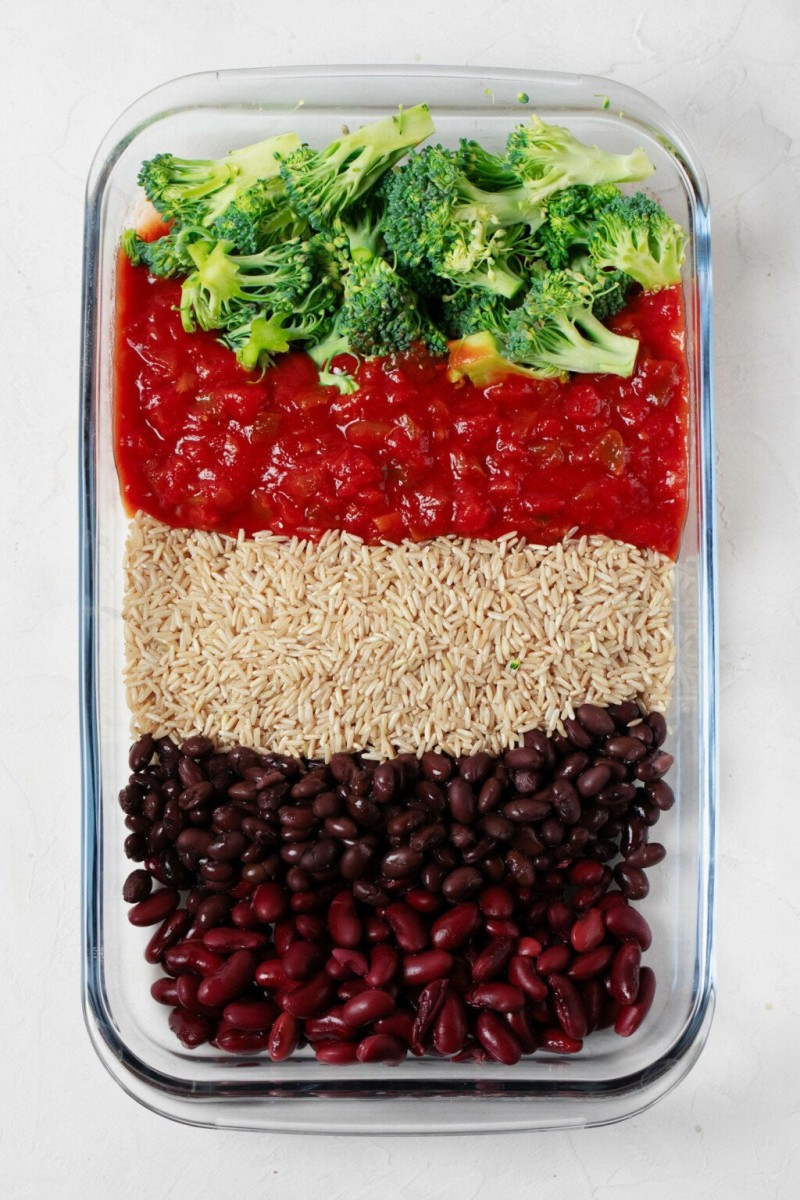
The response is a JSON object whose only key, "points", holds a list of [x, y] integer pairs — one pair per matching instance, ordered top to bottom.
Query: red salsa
{"points": [[203, 443]]}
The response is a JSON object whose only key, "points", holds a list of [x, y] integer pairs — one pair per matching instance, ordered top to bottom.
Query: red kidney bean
{"points": [[660, 794], [586, 872], [632, 881], [422, 901], [495, 901], [270, 902], [156, 907], [343, 921], [627, 923], [312, 926], [408, 926], [456, 926], [501, 929], [377, 930], [588, 931], [168, 934], [283, 934], [223, 940], [529, 947], [192, 955], [302, 959], [492, 959], [352, 960], [554, 960], [384, 962], [591, 963], [425, 967], [338, 971], [270, 974], [522, 975], [623, 979], [229, 980], [186, 987], [347, 988], [165, 991], [502, 997], [309, 999], [430, 1000], [368, 1006], [570, 1013], [250, 1014], [631, 1016], [399, 1024], [521, 1025], [330, 1026], [450, 1027], [192, 1029], [284, 1037], [498, 1039], [241, 1041], [558, 1042], [381, 1048], [336, 1053]]}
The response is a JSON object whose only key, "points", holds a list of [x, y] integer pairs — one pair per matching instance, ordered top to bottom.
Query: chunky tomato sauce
{"points": [[203, 443]]}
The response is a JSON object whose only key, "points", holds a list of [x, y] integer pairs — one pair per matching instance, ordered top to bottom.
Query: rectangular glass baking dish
{"points": [[204, 115]]}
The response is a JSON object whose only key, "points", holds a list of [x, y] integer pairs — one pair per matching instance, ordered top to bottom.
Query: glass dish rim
{"points": [[133, 1074]]}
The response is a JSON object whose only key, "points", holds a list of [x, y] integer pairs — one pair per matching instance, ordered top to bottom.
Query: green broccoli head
{"points": [[549, 158], [485, 170], [322, 184], [197, 191], [434, 215], [572, 216], [261, 217], [636, 236], [166, 256], [279, 278], [468, 311], [382, 314], [554, 331], [264, 335]]}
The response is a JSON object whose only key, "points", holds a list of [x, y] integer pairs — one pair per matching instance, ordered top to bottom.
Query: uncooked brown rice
{"points": [[452, 644]]}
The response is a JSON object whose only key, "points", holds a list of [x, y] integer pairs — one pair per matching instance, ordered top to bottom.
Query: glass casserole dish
{"points": [[611, 1078]]}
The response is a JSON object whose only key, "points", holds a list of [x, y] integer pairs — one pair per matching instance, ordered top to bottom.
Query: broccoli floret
{"points": [[549, 158], [484, 169], [322, 184], [198, 191], [435, 215], [572, 216], [261, 217], [635, 235], [166, 256], [222, 282], [609, 288], [470, 311], [382, 314], [555, 331], [258, 340]]}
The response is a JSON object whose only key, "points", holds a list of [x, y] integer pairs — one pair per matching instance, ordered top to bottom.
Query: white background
{"points": [[728, 73]]}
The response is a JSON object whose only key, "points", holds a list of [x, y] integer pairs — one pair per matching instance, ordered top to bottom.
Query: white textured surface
{"points": [[728, 73]]}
